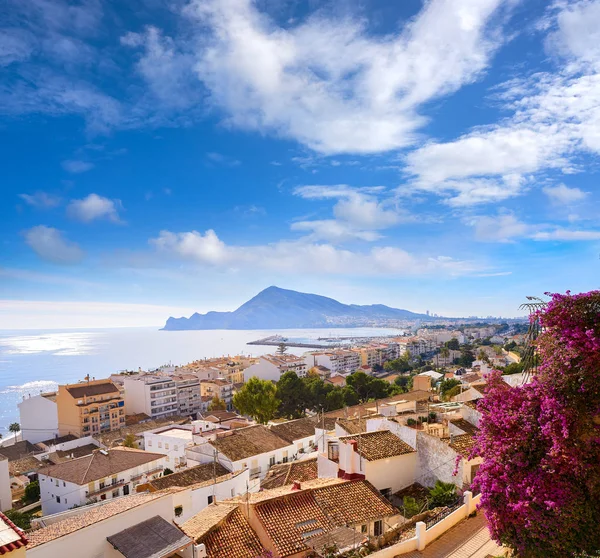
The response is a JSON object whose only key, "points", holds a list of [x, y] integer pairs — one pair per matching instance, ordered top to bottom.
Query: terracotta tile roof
{"points": [[78, 391], [51, 395], [471, 404], [363, 409], [220, 416], [130, 420], [354, 425], [465, 426], [293, 430], [116, 436], [58, 440], [244, 443], [381, 444], [461, 444], [19, 450], [63, 455], [24, 465], [99, 465], [288, 473], [187, 477], [353, 502], [96, 513], [289, 521], [224, 531], [11, 537], [149, 539]]}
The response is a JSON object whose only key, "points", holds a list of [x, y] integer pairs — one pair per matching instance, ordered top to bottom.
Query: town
{"points": [[335, 452]]}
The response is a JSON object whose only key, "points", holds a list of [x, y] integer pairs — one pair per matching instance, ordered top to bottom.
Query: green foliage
{"points": [[453, 344], [510, 346], [281, 349], [466, 356], [400, 365], [513, 368], [405, 382], [447, 385], [367, 387], [453, 392], [293, 394], [350, 396], [257, 399], [217, 404], [432, 417], [411, 422], [14, 427], [129, 441], [167, 471], [32, 492], [442, 494], [410, 507], [21, 520]]}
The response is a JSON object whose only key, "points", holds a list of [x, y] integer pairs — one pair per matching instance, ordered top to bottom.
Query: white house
{"points": [[337, 361], [271, 367], [38, 417], [300, 433], [172, 441], [254, 447], [103, 475], [5, 493]]}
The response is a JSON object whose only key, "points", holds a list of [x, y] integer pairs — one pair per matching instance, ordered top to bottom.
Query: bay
{"points": [[32, 362]]}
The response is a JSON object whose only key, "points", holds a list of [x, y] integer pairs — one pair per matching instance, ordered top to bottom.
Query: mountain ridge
{"points": [[277, 308]]}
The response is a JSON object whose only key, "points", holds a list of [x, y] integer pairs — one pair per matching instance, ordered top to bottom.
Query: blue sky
{"points": [[163, 157]]}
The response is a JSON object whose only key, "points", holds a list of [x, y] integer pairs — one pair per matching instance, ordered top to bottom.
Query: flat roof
{"points": [[177, 433]]}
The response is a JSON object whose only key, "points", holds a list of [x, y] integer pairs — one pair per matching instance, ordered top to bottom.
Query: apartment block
{"points": [[337, 361], [271, 367], [220, 388], [151, 394], [189, 400], [89, 408]]}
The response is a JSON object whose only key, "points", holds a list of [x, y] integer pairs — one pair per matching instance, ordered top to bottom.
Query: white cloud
{"points": [[293, 82], [221, 159], [76, 167], [563, 195], [41, 200], [94, 207], [333, 231], [566, 235], [50, 244], [290, 257]]}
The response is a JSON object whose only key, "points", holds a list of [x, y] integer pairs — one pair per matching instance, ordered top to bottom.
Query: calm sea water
{"points": [[35, 361]]}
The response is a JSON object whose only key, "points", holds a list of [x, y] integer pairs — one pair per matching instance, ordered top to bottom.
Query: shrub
{"points": [[442, 494]]}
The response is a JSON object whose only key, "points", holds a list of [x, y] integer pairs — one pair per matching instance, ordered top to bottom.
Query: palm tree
{"points": [[444, 352], [15, 428]]}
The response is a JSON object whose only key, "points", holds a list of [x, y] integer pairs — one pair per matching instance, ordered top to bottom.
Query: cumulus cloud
{"points": [[293, 82], [77, 167], [563, 195], [41, 200], [94, 207], [51, 245], [291, 256]]}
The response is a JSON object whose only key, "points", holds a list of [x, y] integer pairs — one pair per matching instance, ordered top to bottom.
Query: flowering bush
{"points": [[540, 478]]}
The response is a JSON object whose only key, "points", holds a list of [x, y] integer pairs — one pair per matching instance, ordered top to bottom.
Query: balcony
{"points": [[147, 473], [254, 473], [105, 488]]}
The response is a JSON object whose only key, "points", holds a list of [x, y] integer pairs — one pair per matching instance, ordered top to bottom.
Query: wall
{"points": [[264, 370], [468, 395], [135, 396], [470, 415], [38, 418], [69, 419], [405, 433], [172, 447], [437, 461], [326, 468], [395, 473], [5, 493], [91, 542]]}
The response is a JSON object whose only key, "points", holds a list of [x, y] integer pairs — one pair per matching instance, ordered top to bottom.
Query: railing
{"points": [[105, 488], [443, 514]]}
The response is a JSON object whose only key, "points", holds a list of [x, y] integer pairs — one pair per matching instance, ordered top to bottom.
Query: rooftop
{"points": [[91, 389], [365, 408], [220, 416], [465, 426], [293, 430], [180, 433], [58, 440], [247, 442], [381, 444], [461, 444], [18, 450], [99, 464], [288, 473], [193, 475], [225, 532], [11, 537], [149, 539]]}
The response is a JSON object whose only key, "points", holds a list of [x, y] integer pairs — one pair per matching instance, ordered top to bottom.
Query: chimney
{"points": [[296, 485]]}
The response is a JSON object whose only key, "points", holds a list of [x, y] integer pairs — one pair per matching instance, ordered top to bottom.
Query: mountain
{"points": [[276, 308]]}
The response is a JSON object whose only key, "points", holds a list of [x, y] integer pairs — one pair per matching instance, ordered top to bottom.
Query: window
{"points": [[149, 443], [160, 444], [166, 446], [176, 448], [167, 459], [271, 461], [56, 481], [64, 483], [102, 485], [386, 492], [115, 493], [58, 499], [210, 499], [65, 500], [178, 511], [363, 528], [378, 528]]}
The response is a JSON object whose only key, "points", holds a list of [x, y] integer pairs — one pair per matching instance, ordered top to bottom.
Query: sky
{"points": [[161, 157]]}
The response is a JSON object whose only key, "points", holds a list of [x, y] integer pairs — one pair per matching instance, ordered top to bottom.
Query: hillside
{"points": [[276, 308]]}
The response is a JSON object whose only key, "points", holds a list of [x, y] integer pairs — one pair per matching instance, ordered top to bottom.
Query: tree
{"points": [[453, 344], [282, 349], [444, 352], [466, 356], [398, 365], [513, 368], [404, 382], [447, 385], [367, 387], [316, 392], [292, 393], [350, 396], [257, 399], [217, 404], [15, 428], [129, 441], [539, 441], [167, 471], [32, 492], [442, 494], [410, 507]]}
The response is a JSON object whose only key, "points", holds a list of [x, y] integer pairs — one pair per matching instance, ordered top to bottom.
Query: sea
{"points": [[32, 362]]}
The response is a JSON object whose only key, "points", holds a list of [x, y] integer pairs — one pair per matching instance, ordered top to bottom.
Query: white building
{"points": [[337, 361], [271, 367], [153, 395], [189, 398], [38, 417], [300, 433], [172, 442], [255, 448], [103, 475], [5, 493]]}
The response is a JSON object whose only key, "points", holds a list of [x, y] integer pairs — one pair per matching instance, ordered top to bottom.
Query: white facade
{"points": [[337, 361], [271, 367], [153, 395], [38, 417], [171, 441], [5, 493], [58, 495]]}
